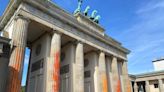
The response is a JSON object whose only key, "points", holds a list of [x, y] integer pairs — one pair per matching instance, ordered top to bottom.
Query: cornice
{"points": [[9, 12], [150, 74]]}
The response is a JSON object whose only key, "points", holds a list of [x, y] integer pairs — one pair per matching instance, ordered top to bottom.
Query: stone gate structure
{"points": [[69, 53]]}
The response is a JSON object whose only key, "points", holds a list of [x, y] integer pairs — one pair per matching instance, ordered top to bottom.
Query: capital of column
{"points": [[22, 17], [20, 29], [56, 32], [55, 41], [75, 42], [79, 45], [101, 52], [113, 56], [101, 58], [114, 59], [124, 68], [147, 82]]}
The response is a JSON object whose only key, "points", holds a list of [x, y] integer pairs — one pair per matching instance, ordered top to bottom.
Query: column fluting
{"points": [[19, 40], [53, 65], [78, 70], [102, 73], [116, 80]]}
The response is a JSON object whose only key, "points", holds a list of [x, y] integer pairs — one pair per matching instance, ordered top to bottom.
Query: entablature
{"points": [[58, 19]]}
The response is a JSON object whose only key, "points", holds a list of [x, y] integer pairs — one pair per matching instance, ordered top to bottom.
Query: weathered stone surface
{"points": [[50, 21], [17, 55]]}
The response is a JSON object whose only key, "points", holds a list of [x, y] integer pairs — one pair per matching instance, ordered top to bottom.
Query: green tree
{"points": [[23, 89]]}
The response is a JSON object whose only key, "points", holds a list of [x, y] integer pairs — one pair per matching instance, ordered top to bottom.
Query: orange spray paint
{"points": [[15, 70], [56, 72], [105, 83], [118, 86], [129, 87]]}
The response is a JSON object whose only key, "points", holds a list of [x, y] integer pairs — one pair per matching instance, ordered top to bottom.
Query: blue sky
{"points": [[137, 24]]}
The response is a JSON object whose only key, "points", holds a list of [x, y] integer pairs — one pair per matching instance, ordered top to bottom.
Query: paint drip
{"points": [[56, 70]]}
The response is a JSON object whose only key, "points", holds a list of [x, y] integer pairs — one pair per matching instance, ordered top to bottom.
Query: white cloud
{"points": [[151, 6], [145, 37]]}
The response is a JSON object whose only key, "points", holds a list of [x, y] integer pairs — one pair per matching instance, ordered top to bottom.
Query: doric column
{"points": [[16, 62], [53, 65], [78, 69], [102, 73], [96, 75], [116, 80], [126, 80], [147, 86], [135, 87], [161, 88]]}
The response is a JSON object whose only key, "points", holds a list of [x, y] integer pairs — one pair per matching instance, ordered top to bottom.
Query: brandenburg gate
{"points": [[68, 52]]}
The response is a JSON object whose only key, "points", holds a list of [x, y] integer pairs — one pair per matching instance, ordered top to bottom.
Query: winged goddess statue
{"points": [[79, 7]]}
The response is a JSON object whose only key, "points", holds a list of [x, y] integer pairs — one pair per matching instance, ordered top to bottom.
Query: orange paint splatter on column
{"points": [[15, 71], [56, 72], [105, 83], [129, 87], [118, 88]]}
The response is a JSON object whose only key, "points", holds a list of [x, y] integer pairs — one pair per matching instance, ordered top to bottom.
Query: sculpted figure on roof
{"points": [[79, 6]]}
